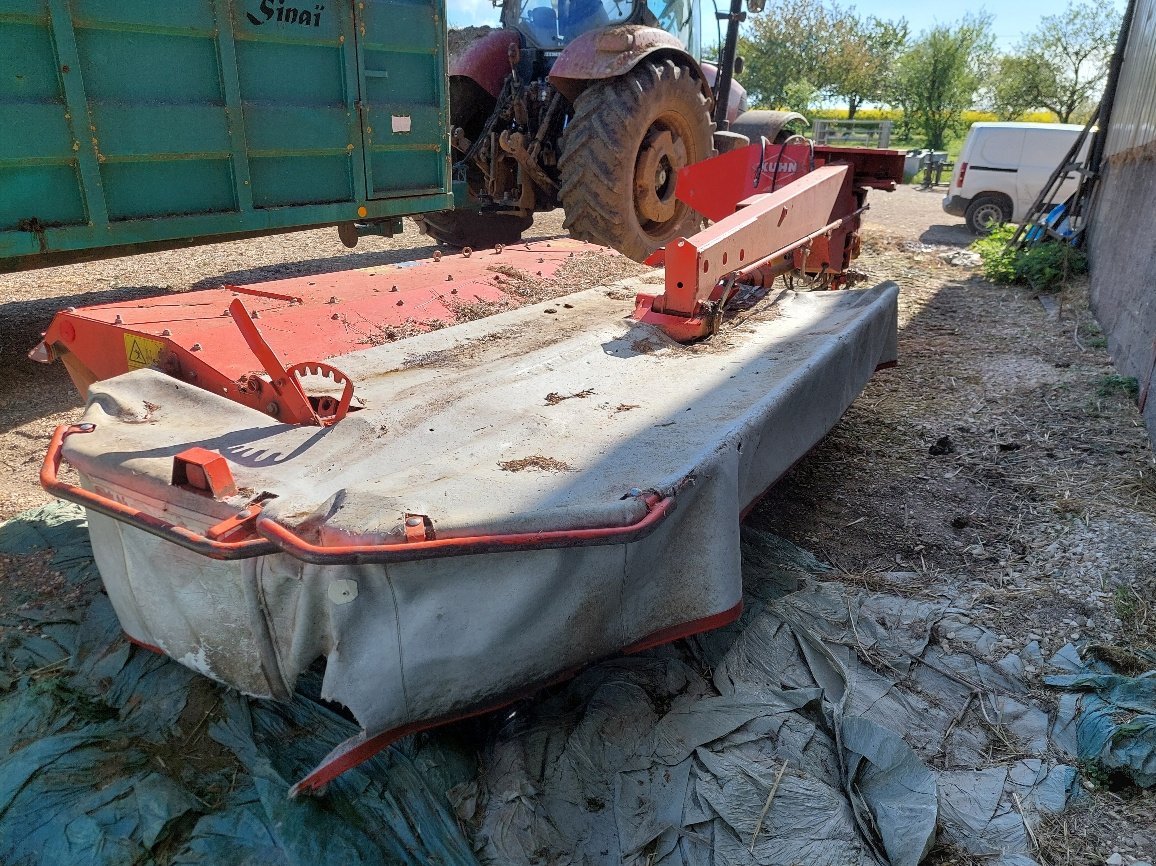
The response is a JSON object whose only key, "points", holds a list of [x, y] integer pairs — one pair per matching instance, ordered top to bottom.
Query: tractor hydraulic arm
{"points": [[764, 231]]}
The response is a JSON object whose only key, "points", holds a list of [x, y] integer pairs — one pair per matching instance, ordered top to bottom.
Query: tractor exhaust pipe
{"points": [[726, 69]]}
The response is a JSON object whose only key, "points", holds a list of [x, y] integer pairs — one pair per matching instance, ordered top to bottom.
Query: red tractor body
{"points": [[590, 105]]}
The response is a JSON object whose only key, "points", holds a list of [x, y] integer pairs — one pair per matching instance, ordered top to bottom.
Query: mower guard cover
{"points": [[520, 496]]}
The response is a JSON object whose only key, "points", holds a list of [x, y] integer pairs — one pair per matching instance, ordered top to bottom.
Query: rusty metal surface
{"points": [[614, 51]]}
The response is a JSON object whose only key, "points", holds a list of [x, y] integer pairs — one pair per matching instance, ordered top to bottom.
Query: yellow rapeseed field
{"points": [[895, 115]]}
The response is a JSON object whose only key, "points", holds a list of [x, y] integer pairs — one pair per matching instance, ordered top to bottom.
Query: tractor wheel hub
{"points": [[659, 160]]}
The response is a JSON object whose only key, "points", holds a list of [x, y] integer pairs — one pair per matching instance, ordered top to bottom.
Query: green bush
{"points": [[999, 263], [1045, 266]]}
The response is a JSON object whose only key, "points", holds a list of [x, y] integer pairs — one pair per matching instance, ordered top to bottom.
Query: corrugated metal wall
{"points": [[1134, 112], [1121, 243]]}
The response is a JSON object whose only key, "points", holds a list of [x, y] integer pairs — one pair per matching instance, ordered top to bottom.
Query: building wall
{"points": [[1122, 228]]}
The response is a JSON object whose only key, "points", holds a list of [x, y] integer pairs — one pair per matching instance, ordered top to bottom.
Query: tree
{"points": [[808, 45], [783, 48], [861, 58], [1061, 66], [938, 76], [1014, 90], [800, 96]]}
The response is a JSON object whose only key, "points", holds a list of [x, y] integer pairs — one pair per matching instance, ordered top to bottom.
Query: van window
{"points": [[1000, 147]]}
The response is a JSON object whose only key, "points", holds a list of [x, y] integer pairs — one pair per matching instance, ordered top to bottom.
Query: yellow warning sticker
{"points": [[141, 351]]}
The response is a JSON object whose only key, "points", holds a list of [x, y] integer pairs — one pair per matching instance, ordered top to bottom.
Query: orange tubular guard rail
{"points": [[186, 538], [277, 538], [364, 554]]}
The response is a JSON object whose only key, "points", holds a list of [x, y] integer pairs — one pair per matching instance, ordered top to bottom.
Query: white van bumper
{"points": [[956, 205]]}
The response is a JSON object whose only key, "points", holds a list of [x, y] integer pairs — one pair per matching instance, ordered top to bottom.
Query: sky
{"points": [[1012, 18]]}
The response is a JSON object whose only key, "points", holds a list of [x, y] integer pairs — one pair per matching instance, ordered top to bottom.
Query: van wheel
{"points": [[987, 212]]}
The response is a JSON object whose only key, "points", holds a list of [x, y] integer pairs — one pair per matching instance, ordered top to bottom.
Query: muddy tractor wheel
{"points": [[771, 125], [621, 152], [471, 228]]}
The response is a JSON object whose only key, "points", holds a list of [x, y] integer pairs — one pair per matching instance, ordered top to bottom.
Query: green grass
{"points": [[1047, 266], [1117, 384]]}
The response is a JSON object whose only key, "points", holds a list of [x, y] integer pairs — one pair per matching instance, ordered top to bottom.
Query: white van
{"points": [[1003, 167]]}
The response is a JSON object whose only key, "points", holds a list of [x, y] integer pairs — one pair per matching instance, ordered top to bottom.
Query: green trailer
{"points": [[130, 125]]}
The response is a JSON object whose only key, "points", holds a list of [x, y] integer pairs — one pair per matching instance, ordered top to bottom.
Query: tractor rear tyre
{"points": [[771, 125], [621, 152], [471, 228]]}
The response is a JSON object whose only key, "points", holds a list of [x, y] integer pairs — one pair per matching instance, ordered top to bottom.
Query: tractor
{"points": [[593, 106]]}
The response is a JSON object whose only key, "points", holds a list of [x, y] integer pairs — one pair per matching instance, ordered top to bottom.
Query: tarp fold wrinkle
{"points": [[816, 729]]}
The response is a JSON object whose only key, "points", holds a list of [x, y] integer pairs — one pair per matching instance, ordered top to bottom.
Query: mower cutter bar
{"points": [[293, 326]]}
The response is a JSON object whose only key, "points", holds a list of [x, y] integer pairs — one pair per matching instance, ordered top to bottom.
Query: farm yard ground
{"points": [[1002, 463]]}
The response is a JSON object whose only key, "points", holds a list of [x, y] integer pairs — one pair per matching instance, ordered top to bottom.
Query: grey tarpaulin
{"points": [[1107, 717], [831, 720], [95, 736]]}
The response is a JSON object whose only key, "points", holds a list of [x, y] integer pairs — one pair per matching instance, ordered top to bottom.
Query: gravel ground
{"points": [[917, 215], [1000, 464]]}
